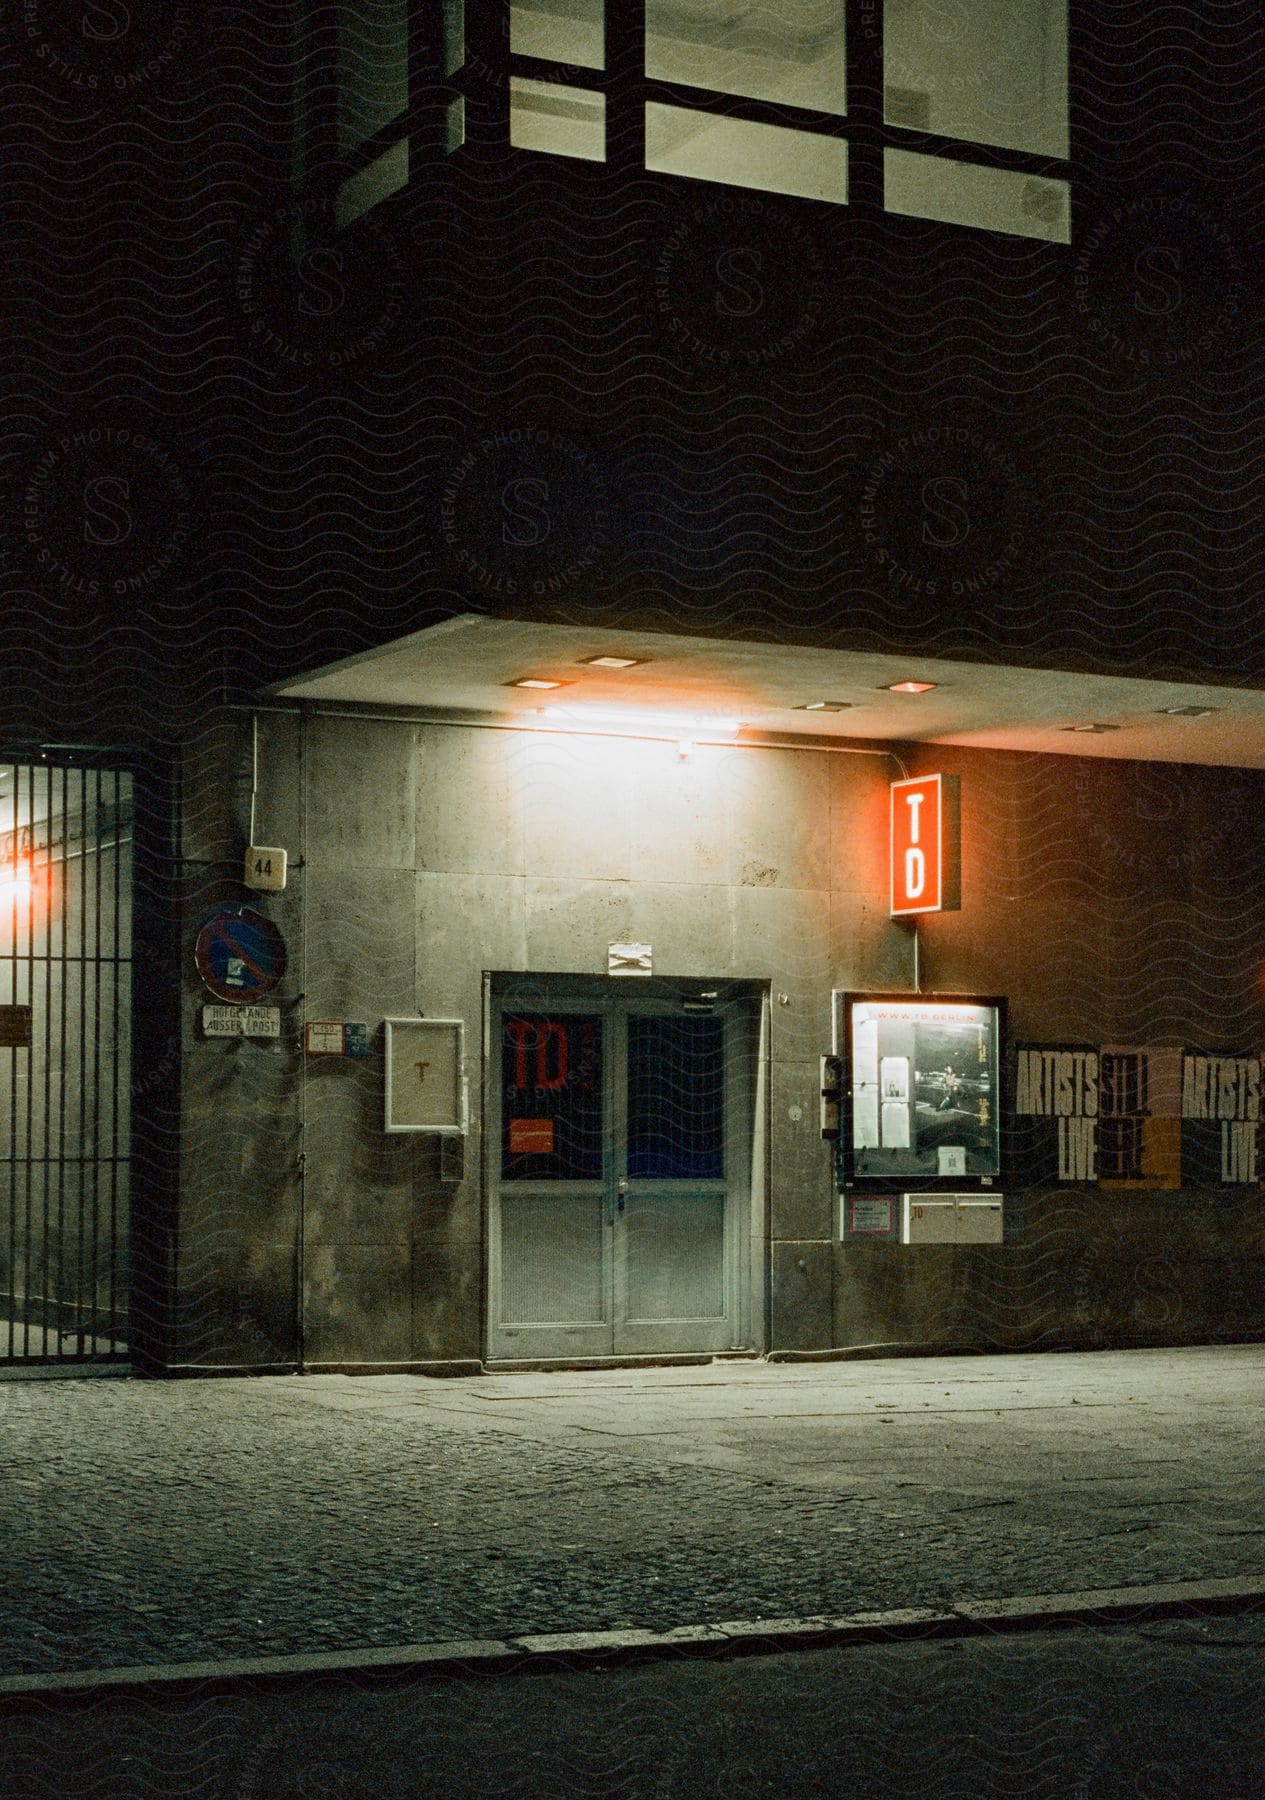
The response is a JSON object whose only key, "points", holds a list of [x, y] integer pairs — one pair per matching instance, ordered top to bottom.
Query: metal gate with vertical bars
{"points": [[65, 1060]]}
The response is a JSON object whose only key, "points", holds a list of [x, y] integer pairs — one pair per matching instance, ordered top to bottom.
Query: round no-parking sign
{"points": [[240, 954]]}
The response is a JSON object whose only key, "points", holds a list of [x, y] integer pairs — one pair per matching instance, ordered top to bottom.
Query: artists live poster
{"points": [[1136, 1116]]}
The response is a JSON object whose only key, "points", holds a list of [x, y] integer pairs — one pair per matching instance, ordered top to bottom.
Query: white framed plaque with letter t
{"points": [[425, 1076]]}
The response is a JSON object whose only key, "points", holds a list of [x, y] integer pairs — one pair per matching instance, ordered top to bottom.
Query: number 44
{"points": [[265, 868]]}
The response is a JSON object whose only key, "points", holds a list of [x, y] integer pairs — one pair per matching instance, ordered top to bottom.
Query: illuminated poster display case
{"points": [[921, 1085]]}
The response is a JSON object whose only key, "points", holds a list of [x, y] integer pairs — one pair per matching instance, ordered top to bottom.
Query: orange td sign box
{"points": [[926, 839]]}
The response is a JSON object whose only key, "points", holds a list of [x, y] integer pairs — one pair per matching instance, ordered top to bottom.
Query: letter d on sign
{"points": [[915, 874]]}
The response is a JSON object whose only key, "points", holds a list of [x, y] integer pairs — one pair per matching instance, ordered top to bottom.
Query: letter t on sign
{"points": [[926, 845]]}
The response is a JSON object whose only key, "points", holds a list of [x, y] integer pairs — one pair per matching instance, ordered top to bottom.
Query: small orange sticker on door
{"points": [[531, 1137]]}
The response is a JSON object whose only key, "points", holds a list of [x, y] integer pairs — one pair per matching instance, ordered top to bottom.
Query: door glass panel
{"points": [[784, 50], [551, 1097], [676, 1098], [676, 1255], [551, 1258]]}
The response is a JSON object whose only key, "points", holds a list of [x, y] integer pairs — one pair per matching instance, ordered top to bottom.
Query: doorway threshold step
{"points": [[547, 1365]]}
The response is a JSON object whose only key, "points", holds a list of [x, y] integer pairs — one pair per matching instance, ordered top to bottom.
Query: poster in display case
{"points": [[921, 1089]]}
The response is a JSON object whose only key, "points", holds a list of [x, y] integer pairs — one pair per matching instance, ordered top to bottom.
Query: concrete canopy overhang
{"points": [[465, 668]]}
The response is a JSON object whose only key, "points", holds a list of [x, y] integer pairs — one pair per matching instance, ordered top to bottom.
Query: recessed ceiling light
{"points": [[614, 662], [535, 681], [911, 687], [825, 706], [1189, 712], [1093, 730]]}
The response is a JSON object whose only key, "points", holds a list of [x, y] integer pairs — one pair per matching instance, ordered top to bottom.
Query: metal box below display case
{"points": [[951, 1218]]}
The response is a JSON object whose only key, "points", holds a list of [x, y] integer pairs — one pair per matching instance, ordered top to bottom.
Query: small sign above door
{"points": [[629, 959]]}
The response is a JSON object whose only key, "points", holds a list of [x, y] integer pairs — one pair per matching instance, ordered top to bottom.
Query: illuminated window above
{"points": [[561, 31], [792, 51], [984, 71], [558, 119], [964, 122]]}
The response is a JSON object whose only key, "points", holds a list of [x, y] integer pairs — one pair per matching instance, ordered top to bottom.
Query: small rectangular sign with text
{"points": [[241, 1021], [15, 1027]]}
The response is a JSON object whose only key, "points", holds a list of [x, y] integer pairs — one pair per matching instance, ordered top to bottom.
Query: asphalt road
{"points": [[1163, 1711]]}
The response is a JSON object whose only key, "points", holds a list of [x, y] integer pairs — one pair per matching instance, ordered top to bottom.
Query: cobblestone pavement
{"points": [[158, 1522]]}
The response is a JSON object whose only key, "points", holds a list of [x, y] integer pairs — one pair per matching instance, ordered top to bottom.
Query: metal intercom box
{"points": [[951, 1218]]}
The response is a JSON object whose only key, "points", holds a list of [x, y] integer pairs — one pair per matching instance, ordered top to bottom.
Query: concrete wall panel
{"points": [[361, 794], [575, 798], [469, 812], [777, 814], [859, 820], [677, 821], [465, 924], [570, 924], [689, 929], [783, 936], [361, 943], [869, 949], [359, 1180], [802, 1202], [446, 1212], [447, 1290], [801, 1295], [357, 1303]]}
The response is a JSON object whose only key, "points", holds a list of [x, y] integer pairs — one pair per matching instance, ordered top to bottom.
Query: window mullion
{"points": [[485, 78], [626, 91], [866, 131]]}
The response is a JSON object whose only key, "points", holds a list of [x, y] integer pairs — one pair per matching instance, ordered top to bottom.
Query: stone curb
{"points": [[1043, 1346], [586, 1649]]}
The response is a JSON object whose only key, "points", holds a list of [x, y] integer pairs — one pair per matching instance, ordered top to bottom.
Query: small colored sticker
{"points": [[531, 1137]]}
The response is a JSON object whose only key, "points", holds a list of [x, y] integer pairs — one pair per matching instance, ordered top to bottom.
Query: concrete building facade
{"points": [[782, 354], [484, 869]]}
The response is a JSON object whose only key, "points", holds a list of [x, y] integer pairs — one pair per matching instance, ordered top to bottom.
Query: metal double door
{"points": [[620, 1149]]}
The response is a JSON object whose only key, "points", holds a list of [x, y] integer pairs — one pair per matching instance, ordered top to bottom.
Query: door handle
{"points": [[621, 1194]]}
